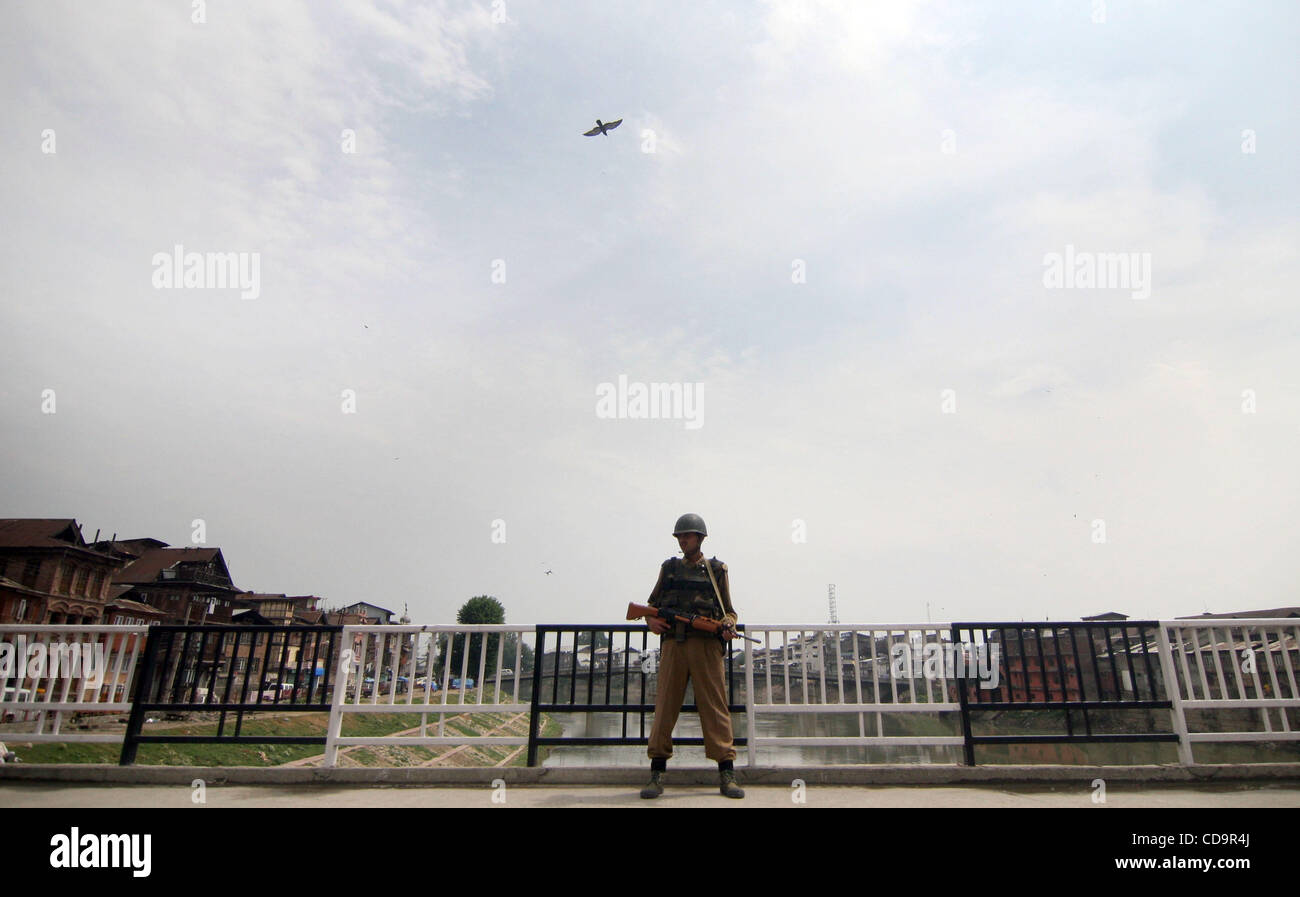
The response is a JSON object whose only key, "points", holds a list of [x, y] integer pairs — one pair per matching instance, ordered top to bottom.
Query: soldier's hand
{"points": [[659, 625], [727, 631]]}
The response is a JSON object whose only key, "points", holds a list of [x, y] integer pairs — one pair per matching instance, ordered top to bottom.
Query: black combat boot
{"points": [[656, 785], [727, 786]]}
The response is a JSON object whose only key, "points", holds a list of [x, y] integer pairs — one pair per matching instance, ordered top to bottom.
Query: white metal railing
{"points": [[392, 649], [857, 655], [1231, 664], [1220, 665], [47, 671]]}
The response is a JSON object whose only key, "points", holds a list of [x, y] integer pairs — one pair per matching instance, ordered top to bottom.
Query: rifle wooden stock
{"points": [[637, 611]]}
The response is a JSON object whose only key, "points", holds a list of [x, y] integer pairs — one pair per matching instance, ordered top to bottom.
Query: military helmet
{"points": [[690, 523]]}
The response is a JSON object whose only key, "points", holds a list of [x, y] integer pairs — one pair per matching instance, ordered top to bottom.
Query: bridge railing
{"points": [[379, 667], [49, 671], [231, 672], [574, 672], [852, 672], [1220, 674], [1227, 680], [1090, 681]]}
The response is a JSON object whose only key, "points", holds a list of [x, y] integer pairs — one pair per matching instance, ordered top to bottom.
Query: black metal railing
{"points": [[1071, 667], [1077, 668], [231, 670], [608, 683]]}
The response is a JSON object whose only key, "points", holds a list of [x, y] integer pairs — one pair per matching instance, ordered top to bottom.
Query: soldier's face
{"points": [[689, 543]]}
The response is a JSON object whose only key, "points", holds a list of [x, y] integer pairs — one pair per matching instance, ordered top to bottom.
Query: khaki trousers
{"points": [[698, 660]]}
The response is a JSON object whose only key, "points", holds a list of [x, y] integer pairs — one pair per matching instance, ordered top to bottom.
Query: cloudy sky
{"points": [[830, 222]]}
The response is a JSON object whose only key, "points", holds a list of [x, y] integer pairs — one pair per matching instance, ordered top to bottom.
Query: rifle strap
{"points": [[708, 565]]}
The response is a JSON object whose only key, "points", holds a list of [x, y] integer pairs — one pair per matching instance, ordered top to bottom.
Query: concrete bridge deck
{"points": [[90, 785], [15, 794]]}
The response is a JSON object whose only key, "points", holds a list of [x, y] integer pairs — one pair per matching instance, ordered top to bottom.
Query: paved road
{"points": [[18, 795]]}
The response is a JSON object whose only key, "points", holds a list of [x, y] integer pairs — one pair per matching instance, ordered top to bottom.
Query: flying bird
{"points": [[602, 127]]}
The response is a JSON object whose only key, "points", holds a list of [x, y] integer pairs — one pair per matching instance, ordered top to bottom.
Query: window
{"points": [[30, 571], [79, 582]]}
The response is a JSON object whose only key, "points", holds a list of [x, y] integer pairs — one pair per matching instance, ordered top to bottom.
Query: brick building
{"points": [[50, 575], [190, 585]]}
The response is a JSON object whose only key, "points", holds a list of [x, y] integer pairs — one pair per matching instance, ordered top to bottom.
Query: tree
{"points": [[479, 609], [584, 638], [525, 654]]}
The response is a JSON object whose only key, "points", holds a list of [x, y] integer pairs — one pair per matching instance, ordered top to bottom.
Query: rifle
{"points": [[695, 621]]}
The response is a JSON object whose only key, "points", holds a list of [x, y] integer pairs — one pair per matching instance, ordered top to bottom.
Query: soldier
{"points": [[691, 585]]}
